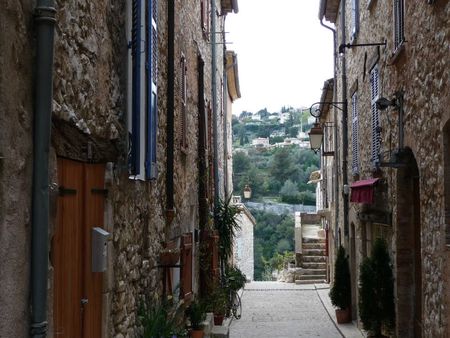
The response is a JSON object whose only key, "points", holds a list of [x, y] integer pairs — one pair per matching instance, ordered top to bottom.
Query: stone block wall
{"points": [[421, 70]]}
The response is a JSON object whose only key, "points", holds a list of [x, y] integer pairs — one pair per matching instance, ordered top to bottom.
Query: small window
{"points": [[205, 9], [355, 20], [399, 23], [376, 135], [355, 145]]}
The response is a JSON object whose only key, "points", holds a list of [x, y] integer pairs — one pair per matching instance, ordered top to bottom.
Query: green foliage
{"points": [[226, 224], [273, 236], [234, 278], [376, 292], [340, 293], [219, 300], [196, 313], [160, 320]]}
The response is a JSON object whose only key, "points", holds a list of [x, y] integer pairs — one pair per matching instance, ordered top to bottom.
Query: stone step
{"points": [[313, 240], [313, 246], [314, 252], [314, 259], [314, 265], [314, 272], [312, 277], [317, 281]]}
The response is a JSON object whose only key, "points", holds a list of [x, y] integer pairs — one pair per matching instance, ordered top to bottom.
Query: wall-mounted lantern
{"points": [[247, 192]]}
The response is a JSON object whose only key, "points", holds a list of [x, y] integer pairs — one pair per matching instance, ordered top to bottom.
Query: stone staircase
{"points": [[314, 261]]}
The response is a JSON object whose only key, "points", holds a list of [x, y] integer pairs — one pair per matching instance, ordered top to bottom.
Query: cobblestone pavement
{"points": [[282, 310]]}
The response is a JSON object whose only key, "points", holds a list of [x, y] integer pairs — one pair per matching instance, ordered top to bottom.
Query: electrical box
{"points": [[99, 249]]}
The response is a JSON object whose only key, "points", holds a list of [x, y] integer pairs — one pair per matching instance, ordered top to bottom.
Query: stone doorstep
{"points": [[313, 240], [313, 246], [313, 252], [314, 259], [314, 265], [305, 271], [312, 277]]}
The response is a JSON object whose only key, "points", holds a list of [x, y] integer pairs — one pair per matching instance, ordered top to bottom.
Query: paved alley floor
{"points": [[282, 310]]}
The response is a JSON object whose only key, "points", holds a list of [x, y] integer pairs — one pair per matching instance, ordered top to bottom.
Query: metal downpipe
{"points": [[43, 93], [214, 104], [170, 107], [344, 125], [336, 152]]}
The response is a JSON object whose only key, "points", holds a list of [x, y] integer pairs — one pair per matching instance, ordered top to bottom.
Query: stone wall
{"points": [[421, 70], [16, 119], [243, 246]]}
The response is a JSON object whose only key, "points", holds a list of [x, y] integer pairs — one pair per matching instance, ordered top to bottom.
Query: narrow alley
{"points": [[286, 310]]}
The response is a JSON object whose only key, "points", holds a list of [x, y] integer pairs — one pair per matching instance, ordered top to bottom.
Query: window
{"points": [[205, 9], [355, 20], [399, 23], [142, 89], [183, 94], [376, 137], [355, 146]]}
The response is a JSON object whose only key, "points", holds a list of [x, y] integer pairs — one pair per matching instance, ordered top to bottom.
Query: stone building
{"points": [[390, 116], [128, 139]]}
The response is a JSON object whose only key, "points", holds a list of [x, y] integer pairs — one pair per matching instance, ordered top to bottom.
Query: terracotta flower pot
{"points": [[343, 316], [218, 319], [197, 333]]}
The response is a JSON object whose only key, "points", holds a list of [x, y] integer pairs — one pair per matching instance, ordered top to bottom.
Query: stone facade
{"points": [[91, 108], [410, 201], [243, 246]]}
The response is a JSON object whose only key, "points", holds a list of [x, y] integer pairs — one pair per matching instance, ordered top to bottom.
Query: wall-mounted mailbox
{"points": [[99, 249]]}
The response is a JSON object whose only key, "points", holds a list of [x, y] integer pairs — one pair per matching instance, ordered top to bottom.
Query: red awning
{"points": [[362, 191]]}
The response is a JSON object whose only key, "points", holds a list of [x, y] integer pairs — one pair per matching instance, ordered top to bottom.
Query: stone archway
{"points": [[408, 259]]}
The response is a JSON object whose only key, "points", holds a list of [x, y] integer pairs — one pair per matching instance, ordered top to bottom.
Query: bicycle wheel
{"points": [[236, 306]]}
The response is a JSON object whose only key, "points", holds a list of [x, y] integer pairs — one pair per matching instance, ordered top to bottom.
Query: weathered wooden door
{"points": [[77, 302]]}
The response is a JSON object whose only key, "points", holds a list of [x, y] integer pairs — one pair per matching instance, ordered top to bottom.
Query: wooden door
{"points": [[77, 304]]}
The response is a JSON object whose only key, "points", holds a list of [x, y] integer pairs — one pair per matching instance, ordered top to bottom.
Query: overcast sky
{"points": [[284, 54]]}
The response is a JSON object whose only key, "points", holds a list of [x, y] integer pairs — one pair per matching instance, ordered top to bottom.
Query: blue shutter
{"points": [[152, 107], [134, 158]]}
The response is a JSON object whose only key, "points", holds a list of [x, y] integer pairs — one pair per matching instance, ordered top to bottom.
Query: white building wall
{"points": [[243, 245]]}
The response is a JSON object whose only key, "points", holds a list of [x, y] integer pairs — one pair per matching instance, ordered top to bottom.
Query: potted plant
{"points": [[226, 224], [376, 292], [340, 293], [219, 304], [196, 313], [160, 319]]}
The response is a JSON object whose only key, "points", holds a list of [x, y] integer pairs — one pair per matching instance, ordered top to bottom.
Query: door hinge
{"points": [[63, 191]]}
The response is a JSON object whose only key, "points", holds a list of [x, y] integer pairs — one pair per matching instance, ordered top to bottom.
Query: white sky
{"points": [[284, 54]]}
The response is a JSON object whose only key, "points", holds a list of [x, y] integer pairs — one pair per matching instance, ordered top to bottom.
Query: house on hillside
{"points": [[128, 159], [387, 178]]}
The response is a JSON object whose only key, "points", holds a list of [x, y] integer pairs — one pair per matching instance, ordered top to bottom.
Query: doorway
{"points": [[409, 251], [77, 301]]}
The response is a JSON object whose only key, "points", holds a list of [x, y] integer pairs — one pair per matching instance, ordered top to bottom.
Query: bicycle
{"points": [[235, 304]]}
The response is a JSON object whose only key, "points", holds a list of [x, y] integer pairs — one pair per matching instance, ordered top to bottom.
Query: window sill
{"points": [[397, 53]]}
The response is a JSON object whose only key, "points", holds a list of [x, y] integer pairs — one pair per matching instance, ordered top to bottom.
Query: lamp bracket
{"points": [[342, 46], [316, 112]]}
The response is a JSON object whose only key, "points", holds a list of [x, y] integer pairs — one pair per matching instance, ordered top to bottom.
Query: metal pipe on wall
{"points": [[44, 19], [214, 103], [170, 106]]}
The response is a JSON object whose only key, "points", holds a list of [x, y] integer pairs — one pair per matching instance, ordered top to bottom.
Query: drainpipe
{"points": [[44, 19], [214, 104], [170, 107], [344, 126], [336, 152]]}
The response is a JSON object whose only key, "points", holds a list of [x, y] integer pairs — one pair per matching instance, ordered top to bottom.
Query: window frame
{"points": [[375, 116]]}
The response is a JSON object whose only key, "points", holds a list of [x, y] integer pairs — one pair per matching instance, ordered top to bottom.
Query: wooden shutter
{"points": [[399, 23], [136, 55], [183, 94], [152, 102], [376, 137], [355, 146], [186, 266]]}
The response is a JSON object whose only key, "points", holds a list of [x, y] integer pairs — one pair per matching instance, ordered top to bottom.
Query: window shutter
{"points": [[399, 23], [136, 48], [183, 94], [152, 102], [376, 137], [355, 146], [186, 266]]}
